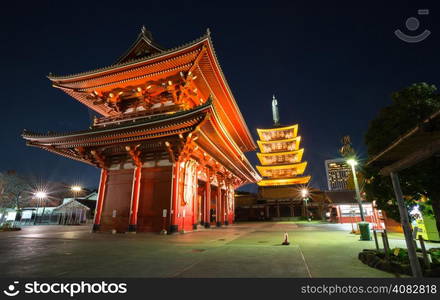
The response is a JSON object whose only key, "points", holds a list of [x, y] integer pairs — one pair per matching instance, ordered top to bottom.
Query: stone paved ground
{"points": [[239, 250]]}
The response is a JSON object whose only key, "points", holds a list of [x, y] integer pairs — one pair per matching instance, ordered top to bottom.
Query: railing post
{"points": [[375, 239], [386, 249], [425, 254]]}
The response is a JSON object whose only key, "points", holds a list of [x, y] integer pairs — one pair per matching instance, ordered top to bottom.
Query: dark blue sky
{"points": [[332, 65]]}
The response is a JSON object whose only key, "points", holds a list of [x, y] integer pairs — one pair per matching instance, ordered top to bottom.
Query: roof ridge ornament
{"points": [[208, 31], [146, 33], [275, 112], [347, 150]]}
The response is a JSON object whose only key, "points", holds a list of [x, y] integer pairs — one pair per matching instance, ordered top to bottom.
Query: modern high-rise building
{"points": [[338, 173]]}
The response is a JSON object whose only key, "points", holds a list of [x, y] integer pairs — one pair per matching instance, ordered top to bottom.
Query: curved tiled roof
{"points": [[130, 62], [147, 120]]}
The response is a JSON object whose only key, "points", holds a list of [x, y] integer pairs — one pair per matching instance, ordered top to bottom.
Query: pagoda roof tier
{"points": [[148, 77], [278, 133], [153, 136], [278, 146], [281, 157], [282, 171], [284, 181]]}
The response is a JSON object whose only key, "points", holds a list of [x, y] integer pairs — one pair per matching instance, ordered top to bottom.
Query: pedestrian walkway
{"points": [[239, 250]]}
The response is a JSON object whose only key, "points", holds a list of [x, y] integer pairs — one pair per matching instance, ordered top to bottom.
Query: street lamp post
{"points": [[352, 162], [305, 194], [40, 195]]}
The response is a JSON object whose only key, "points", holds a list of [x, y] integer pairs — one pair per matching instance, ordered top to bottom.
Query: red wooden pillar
{"points": [[135, 192], [174, 197], [208, 200], [100, 201], [226, 202], [233, 204], [195, 205], [218, 207], [224, 208], [195, 209], [278, 210], [338, 214]]}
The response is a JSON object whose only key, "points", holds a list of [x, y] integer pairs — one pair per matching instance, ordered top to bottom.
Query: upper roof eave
{"points": [[171, 51], [294, 126], [246, 139], [280, 141], [251, 143], [281, 153], [286, 166]]}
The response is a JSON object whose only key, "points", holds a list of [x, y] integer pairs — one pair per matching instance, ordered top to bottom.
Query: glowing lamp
{"points": [[352, 162], [76, 188], [304, 193], [40, 194]]}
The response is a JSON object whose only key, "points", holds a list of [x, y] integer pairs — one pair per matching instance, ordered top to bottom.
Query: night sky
{"points": [[331, 65]]}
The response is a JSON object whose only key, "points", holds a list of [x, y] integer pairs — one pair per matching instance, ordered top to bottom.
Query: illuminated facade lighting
{"points": [[338, 172]]}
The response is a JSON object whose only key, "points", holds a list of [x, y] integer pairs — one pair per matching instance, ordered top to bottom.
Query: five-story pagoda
{"points": [[281, 167]]}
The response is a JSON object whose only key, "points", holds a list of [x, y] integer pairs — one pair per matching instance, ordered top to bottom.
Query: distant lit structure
{"points": [[280, 156], [282, 168], [338, 173]]}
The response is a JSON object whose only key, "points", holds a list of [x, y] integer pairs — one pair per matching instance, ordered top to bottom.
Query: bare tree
{"points": [[14, 190]]}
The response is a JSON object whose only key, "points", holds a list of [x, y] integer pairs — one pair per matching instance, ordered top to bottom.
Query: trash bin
{"points": [[364, 228]]}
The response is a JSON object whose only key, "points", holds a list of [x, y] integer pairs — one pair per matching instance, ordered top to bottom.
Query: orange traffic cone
{"points": [[286, 239]]}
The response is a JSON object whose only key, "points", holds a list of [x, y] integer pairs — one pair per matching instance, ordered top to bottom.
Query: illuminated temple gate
{"points": [[169, 141]]}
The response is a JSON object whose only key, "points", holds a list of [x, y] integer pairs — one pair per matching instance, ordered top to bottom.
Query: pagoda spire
{"points": [[275, 112]]}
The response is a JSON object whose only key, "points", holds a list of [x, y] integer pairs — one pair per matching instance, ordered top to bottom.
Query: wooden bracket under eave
{"points": [[135, 155], [172, 157], [99, 158]]}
